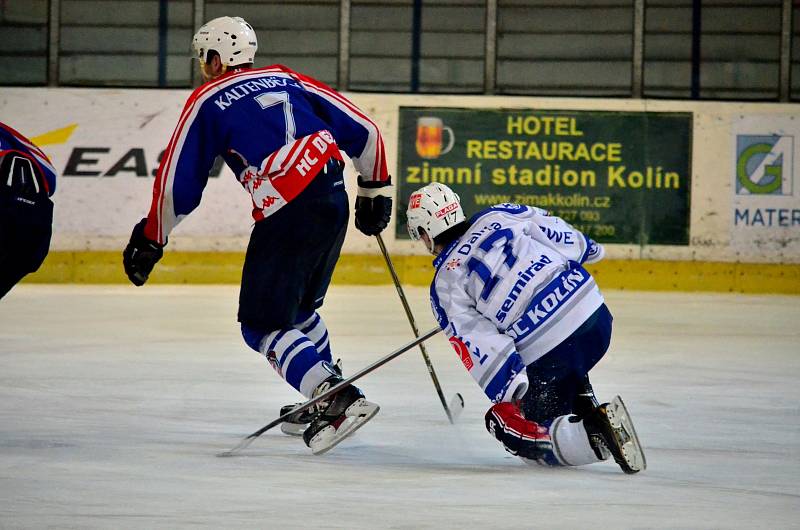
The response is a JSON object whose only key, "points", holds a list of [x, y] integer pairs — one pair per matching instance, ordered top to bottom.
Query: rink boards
{"points": [[737, 175]]}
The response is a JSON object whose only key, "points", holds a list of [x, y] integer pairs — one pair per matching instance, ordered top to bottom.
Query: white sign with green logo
{"points": [[766, 188]]}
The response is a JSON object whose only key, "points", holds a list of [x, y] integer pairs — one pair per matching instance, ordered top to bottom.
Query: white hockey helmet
{"points": [[231, 37], [433, 208]]}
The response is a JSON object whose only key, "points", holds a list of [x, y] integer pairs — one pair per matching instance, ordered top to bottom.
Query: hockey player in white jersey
{"points": [[528, 322]]}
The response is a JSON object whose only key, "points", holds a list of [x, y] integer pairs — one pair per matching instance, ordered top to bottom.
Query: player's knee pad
{"points": [[311, 324], [520, 437], [571, 443]]}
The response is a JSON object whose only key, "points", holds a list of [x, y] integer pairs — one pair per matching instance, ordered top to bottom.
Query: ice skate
{"points": [[339, 416], [296, 424], [610, 428]]}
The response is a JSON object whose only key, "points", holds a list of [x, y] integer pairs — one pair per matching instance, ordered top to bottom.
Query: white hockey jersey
{"points": [[511, 289]]}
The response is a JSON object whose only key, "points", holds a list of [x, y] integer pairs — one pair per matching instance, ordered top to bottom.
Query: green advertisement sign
{"points": [[619, 177]]}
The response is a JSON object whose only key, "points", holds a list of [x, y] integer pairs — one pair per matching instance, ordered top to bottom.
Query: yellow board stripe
{"points": [[357, 269]]}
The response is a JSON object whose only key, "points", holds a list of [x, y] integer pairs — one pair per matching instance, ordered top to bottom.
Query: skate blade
{"points": [[358, 413], [293, 429], [626, 436]]}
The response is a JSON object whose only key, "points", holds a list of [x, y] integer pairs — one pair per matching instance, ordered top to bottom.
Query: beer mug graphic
{"points": [[430, 130]]}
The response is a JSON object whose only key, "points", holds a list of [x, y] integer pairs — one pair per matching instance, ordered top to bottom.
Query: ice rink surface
{"points": [[115, 400]]}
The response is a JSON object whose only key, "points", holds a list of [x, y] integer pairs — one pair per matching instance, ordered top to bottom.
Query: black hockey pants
{"points": [[25, 230], [292, 254], [557, 379]]}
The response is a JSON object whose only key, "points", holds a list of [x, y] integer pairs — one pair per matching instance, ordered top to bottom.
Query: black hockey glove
{"points": [[373, 206], [141, 255]]}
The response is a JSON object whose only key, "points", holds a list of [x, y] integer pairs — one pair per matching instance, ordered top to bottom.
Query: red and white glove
{"points": [[519, 436]]}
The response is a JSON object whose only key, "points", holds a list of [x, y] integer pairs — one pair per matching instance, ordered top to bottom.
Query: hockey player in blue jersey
{"points": [[282, 134], [27, 181], [528, 322]]}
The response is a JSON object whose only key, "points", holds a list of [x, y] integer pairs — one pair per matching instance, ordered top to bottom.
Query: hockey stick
{"points": [[325, 395], [457, 402]]}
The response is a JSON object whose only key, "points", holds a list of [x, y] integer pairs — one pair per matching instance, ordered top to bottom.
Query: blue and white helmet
{"points": [[231, 37], [433, 208]]}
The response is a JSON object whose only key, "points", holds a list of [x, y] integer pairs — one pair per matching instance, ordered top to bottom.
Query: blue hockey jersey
{"points": [[275, 128], [25, 160]]}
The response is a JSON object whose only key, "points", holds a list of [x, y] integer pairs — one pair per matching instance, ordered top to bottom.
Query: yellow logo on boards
{"points": [[57, 136]]}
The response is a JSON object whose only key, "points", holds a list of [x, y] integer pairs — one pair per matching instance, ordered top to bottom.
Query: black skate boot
{"points": [[585, 400], [585, 404], [338, 417], [296, 424], [610, 429]]}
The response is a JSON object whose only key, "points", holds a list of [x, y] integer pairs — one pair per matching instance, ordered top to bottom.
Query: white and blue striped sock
{"points": [[314, 328], [295, 357]]}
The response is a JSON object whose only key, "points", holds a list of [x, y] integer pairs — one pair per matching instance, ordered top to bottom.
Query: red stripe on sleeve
{"points": [[379, 171]]}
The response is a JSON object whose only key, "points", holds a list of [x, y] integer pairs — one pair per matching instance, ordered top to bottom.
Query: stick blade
{"points": [[456, 407], [241, 445]]}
